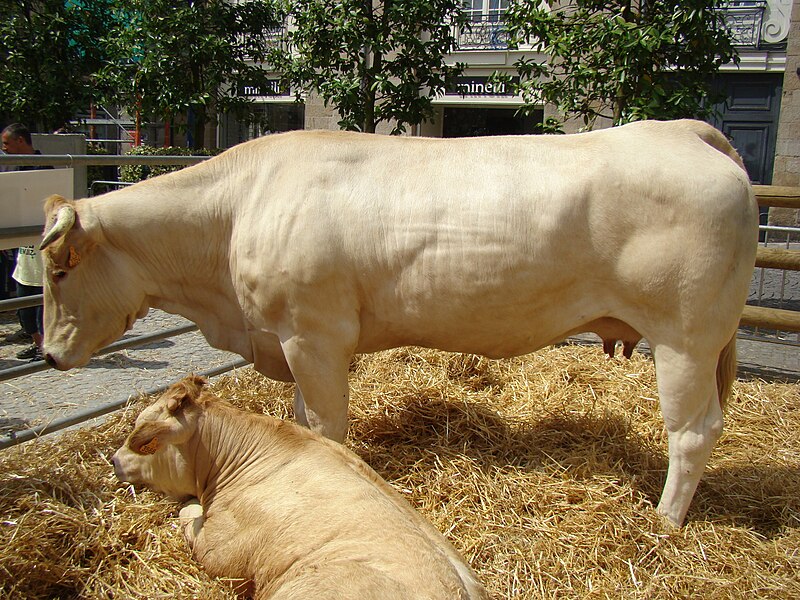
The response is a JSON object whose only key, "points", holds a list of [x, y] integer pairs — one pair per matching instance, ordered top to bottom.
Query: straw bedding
{"points": [[543, 471]]}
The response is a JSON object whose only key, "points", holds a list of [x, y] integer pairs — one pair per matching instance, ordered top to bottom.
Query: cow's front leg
{"points": [[320, 367], [300, 407], [191, 520]]}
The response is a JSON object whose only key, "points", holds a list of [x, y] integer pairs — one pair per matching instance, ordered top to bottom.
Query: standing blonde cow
{"points": [[298, 250], [296, 516]]}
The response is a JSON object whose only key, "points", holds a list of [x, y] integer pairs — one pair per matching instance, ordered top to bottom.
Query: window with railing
{"points": [[744, 20], [747, 21], [486, 26], [274, 37]]}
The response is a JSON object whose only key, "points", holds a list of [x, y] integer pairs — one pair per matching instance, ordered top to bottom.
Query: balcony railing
{"points": [[743, 18], [745, 21], [484, 32], [275, 37]]}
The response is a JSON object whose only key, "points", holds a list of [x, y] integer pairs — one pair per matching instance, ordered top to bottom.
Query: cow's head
{"points": [[92, 294], [159, 452]]}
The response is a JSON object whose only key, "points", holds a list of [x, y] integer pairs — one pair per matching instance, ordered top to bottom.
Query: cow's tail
{"points": [[717, 140], [726, 371]]}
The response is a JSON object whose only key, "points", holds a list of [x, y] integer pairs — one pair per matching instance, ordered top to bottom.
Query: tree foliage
{"points": [[49, 53], [190, 57], [621, 59], [373, 60], [136, 173]]}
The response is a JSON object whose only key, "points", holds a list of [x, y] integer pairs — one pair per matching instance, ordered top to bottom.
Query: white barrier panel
{"points": [[22, 196]]}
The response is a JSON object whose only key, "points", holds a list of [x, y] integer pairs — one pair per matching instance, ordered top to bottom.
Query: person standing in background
{"points": [[8, 258], [28, 271], [28, 275]]}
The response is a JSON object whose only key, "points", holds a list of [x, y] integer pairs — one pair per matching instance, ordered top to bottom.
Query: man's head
{"points": [[17, 139]]}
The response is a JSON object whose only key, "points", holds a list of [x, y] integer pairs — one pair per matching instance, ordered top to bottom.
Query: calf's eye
{"points": [[59, 275]]}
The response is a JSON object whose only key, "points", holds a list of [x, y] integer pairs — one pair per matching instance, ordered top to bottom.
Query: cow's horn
{"points": [[65, 219]]}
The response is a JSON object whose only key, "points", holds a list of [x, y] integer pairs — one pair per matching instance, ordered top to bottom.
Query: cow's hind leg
{"points": [[690, 405]]}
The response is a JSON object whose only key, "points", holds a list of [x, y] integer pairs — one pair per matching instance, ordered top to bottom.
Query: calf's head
{"points": [[92, 294], [158, 453]]}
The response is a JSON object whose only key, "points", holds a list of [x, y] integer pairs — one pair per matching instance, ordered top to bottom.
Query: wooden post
{"points": [[777, 319]]}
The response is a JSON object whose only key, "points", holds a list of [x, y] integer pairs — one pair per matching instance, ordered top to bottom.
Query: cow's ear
{"points": [[59, 219], [65, 239], [186, 390], [148, 437]]}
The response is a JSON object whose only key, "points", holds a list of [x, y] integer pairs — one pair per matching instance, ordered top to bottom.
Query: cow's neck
{"points": [[176, 231]]}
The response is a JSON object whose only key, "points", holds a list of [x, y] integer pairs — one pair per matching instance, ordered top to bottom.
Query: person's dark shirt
{"points": [[34, 167]]}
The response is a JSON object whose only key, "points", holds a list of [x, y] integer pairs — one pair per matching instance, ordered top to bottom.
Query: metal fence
{"points": [[776, 287], [773, 310], [772, 315], [16, 437]]}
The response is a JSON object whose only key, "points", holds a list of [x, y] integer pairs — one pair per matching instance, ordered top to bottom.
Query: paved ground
{"points": [[37, 399]]}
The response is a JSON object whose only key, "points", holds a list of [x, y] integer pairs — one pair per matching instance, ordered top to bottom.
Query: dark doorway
{"points": [[273, 117], [749, 117], [469, 122]]}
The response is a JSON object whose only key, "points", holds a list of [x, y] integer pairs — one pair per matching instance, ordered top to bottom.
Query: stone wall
{"points": [[319, 116], [787, 150]]}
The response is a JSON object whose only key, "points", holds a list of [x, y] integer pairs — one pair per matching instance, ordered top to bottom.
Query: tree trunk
{"points": [[621, 101], [197, 126]]}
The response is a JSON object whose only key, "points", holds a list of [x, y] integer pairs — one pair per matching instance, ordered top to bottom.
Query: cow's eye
{"points": [[59, 275]]}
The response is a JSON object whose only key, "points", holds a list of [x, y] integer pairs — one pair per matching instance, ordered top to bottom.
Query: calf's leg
{"points": [[191, 520], [217, 546]]}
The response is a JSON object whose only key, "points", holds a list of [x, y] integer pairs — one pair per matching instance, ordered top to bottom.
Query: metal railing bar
{"points": [[109, 140], [72, 160], [103, 181], [779, 229], [21, 231], [17, 303], [139, 340], [770, 340], [18, 437]]}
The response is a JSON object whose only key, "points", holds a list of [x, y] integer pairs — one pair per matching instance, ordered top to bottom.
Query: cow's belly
{"points": [[498, 325]]}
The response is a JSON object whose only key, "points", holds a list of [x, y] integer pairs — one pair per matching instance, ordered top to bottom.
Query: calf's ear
{"points": [[186, 390], [148, 437]]}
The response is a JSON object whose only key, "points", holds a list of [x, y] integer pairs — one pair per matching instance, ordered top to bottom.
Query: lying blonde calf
{"points": [[295, 515]]}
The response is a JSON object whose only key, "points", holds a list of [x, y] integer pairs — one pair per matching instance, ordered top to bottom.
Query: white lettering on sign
{"points": [[481, 86], [477, 87], [273, 89]]}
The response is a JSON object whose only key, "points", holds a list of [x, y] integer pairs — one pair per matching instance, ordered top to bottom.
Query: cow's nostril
{"points": [[48, 358]]}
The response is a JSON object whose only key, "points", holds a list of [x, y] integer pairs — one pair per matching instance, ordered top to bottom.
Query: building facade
{"points": [[760, 114]]}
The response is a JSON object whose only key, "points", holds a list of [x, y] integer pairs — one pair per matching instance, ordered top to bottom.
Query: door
{"points": [[749, 117], [471, 122]]}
